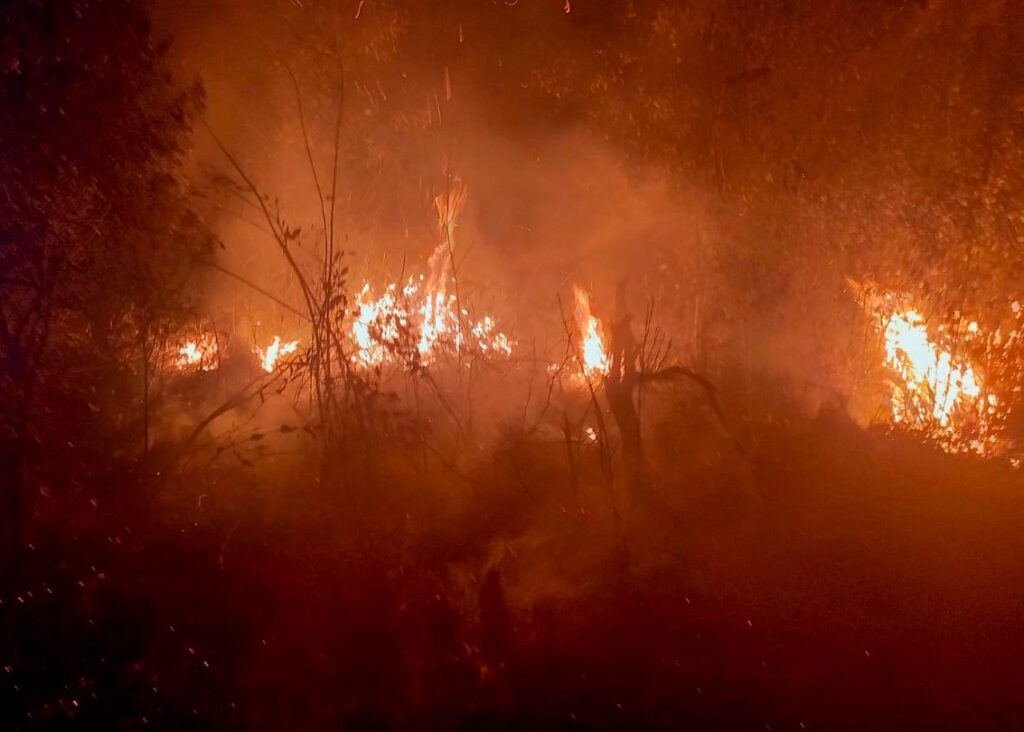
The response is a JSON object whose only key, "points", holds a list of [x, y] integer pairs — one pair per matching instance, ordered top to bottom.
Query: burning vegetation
{"points": [[411, 324], [593, 353], [198, 354], [269, 358], [414, 365], [943, 379]]}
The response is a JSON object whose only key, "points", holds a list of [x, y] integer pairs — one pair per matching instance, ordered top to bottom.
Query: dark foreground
{"points": [[857, 582]]}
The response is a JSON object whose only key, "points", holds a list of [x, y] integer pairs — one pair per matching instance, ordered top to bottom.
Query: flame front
{"points": [[415, 322], [410, 324], [376, 325], [273, 352], [593, 353], [937, 384], [938, 391]]}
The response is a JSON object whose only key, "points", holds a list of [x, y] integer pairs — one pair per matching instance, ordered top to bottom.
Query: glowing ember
{"points": [[489, 340], [273, 352], [593, 353], [197, 354]]}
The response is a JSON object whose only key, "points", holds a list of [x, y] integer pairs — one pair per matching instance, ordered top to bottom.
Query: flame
{"points": [[448, 206], [435, 310], [412, 323], [377, 324], [489, 340], [273, 352], [593, 352], [197, 354], [938, 383], [938, 391]]}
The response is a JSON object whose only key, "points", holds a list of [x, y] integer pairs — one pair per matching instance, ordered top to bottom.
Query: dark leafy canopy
{"points": [[92, 126], [888, 135], [96, 236]]}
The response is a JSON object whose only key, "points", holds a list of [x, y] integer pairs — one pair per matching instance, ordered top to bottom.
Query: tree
{"points": [[97, 240]]}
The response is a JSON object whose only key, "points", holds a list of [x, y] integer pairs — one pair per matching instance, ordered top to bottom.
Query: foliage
{"points": [[97, 241]]}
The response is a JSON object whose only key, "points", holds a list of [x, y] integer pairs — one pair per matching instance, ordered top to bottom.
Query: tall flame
{"points": [[435, 310], [376, 325], [593, 353]]}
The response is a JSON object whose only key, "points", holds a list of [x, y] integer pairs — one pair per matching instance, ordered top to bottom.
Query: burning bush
{"points": [[953, 382]]}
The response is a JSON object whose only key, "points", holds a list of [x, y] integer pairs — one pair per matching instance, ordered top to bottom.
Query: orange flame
{"points": [[436, 310], [412, 323], [376, 325], [593, 352], [273, 353], [197, 354], [937, 383], [938, 391]]}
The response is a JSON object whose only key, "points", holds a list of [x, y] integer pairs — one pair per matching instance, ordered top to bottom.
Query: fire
{"points": [[436, 310], [415, 322], [412, 323], [377, 325], [489, 340], [273, 352], [593, 352], [197, 354], [937, 383], [939, 391]]}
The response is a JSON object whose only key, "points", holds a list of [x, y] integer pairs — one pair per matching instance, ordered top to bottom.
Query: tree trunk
{"points": [[620, 388]]}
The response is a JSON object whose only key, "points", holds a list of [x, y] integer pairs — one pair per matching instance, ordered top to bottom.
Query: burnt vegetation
{"points": [[397, 364]]}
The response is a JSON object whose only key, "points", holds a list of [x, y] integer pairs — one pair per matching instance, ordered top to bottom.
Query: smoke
{"points": [[549, 204], [719, 208]]}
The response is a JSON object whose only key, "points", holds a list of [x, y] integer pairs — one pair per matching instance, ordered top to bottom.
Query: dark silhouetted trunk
{"points": [[620, 388]]}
